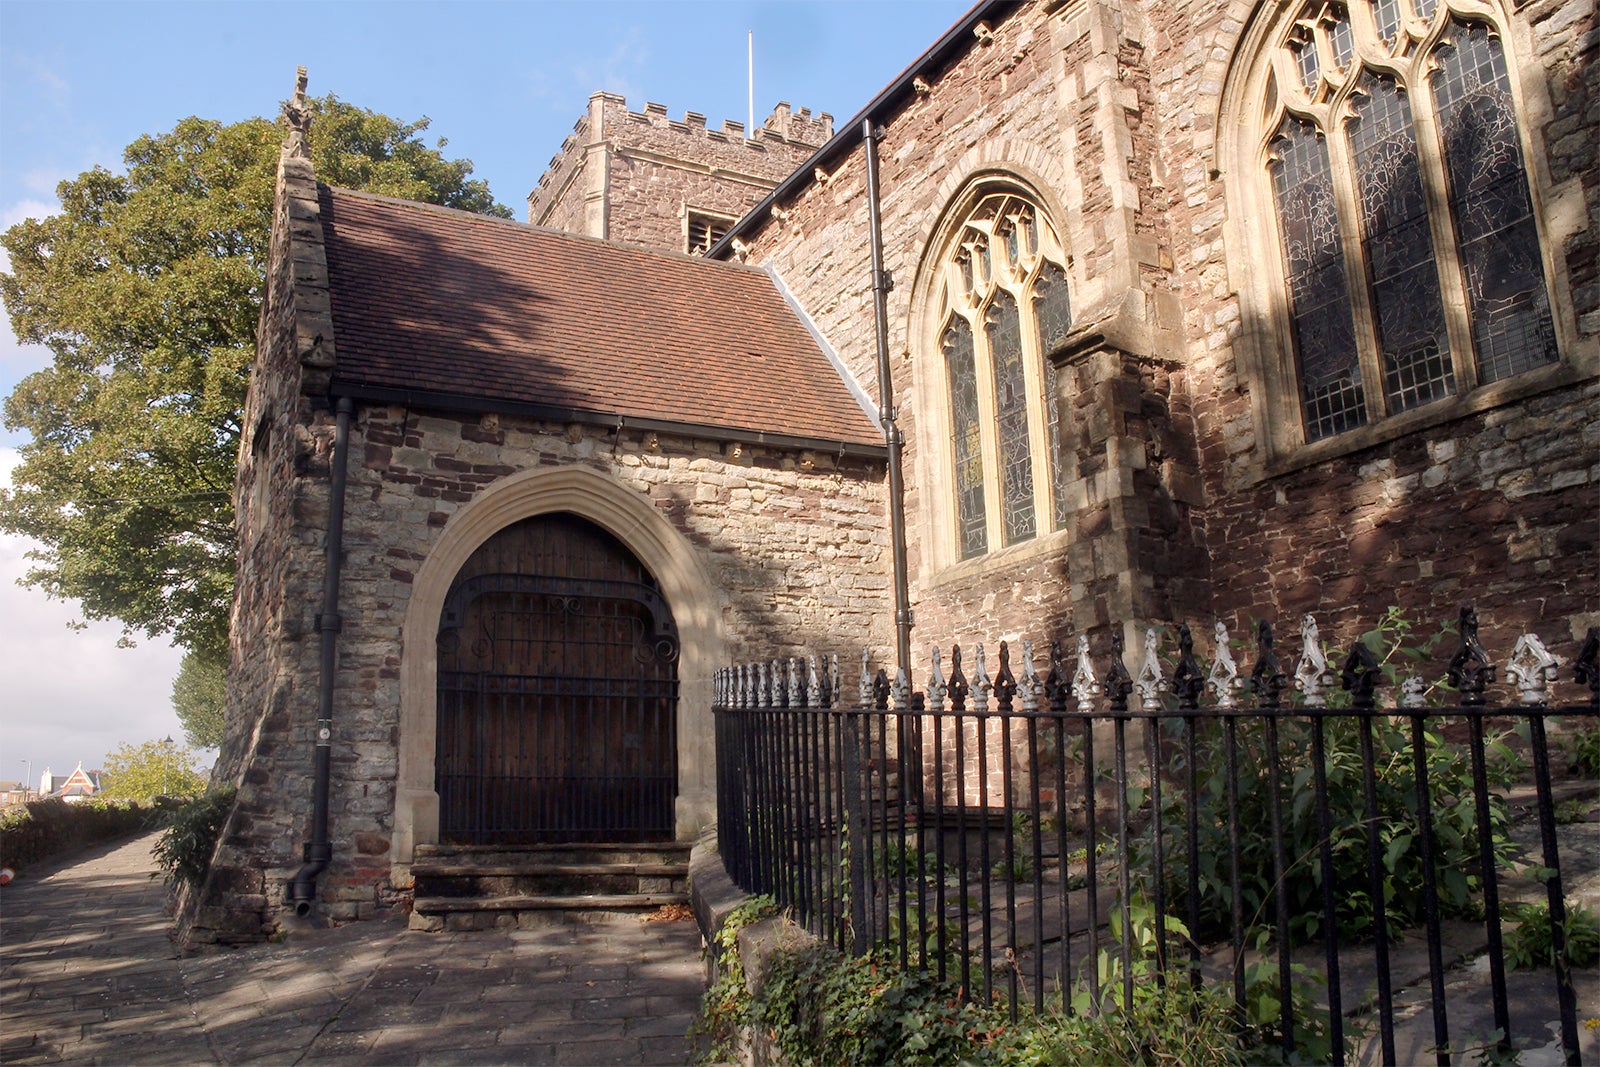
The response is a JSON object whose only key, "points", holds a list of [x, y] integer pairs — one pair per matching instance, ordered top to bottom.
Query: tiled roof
{"points": [[430, 300]]}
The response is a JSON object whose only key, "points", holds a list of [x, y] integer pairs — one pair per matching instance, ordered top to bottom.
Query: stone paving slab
{"points": [[88, 975]]}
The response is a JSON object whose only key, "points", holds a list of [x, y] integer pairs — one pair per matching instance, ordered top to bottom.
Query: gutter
{"points": [[956, 39], [423, 398], [892, 438], [302, 888]]}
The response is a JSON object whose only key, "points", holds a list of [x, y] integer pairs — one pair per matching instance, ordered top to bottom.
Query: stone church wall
{"points": [[1112, 111], [633, 176], [794, 544]]}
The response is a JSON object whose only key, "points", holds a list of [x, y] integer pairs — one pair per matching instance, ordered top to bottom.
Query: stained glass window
{"points": [[1340, 36], [1376, 284], [1319, 297], [1506, 299], [1005, 309], [1052, 317], [1004, 326], [1412, 342], [967, 432]]}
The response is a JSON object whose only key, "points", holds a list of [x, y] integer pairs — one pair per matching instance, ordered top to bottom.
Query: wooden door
{"points": [[558, 691]]}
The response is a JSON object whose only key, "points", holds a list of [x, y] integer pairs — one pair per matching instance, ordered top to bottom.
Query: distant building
{"points": [[73, 788]]}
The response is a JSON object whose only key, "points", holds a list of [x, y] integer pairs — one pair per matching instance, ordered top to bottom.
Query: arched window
{"points": [[1411, 258], [1002, 307]]}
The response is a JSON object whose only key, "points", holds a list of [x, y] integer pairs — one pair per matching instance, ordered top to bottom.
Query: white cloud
{"points": [[628, 56], [15, 212], [16, 358], [71, 695]]}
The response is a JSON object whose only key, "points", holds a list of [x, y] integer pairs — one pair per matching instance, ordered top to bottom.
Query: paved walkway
{"points": [[87, 975]]}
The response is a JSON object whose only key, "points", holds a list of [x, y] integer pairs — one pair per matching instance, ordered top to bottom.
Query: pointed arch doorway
{"points": [[557, 691]]}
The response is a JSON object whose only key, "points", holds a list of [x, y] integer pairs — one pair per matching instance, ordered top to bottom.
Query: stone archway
{"points": [[629, 517]]}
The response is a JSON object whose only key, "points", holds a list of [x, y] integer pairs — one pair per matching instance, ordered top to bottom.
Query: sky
{"points": [[504, 82]]}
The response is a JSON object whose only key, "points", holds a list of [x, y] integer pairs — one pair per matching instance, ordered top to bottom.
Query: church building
{"points": [[1104, 314]]}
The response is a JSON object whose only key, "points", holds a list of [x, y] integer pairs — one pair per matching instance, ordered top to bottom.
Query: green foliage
{"points": [[146, 288], [200, 697], [1582, 746], [153, 769], [1450, 791], [1569, 812], [41, 829], [185, 847], [1532, 942], [817, 1006], [820, 1007], [725, 1009], [1178, 1025]]}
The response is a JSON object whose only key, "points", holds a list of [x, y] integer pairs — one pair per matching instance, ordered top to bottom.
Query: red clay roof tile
{"points": [[429, 299]]}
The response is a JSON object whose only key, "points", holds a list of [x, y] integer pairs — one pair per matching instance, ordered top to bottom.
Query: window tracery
{"points": [[1411, 258], [1003, 306]]}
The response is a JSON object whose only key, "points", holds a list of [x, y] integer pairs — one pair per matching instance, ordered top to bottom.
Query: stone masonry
{"points": [[1111, 113], [1122, 121], [634, 176], [794, 541]]}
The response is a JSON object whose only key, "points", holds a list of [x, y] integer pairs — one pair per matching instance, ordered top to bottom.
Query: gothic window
{"points": [[1411, 259], [1003, 307]]}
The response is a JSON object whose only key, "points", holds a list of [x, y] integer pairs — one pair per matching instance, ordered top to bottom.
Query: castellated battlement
{"points": [[786, 126], [644, 177]]}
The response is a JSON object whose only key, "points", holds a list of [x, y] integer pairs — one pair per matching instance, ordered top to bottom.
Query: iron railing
{"points": [[1004, 832]]}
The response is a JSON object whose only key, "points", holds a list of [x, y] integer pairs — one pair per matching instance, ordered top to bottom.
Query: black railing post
{"points": [[1360, 678], [1118, 685], [1005, 691], [958, 706], [857, 832], [1566, 997]]}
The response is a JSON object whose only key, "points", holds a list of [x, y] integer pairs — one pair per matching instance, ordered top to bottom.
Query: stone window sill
{"points": [[1451, 409]]}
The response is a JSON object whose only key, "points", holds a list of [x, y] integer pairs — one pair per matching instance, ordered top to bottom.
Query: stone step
{"points": [[570, 853], [516, 870], [555, 880], [474, 887], [583, 902], [531, 911]]}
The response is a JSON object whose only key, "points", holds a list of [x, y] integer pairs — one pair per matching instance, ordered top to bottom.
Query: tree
{"points": [[146, 288], [200, 696], [153, 769]]}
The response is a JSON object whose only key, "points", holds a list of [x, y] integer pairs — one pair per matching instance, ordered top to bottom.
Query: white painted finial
{"points": [[1531, 669], [1224, 676], [1312, 676], [1151, 683], [1084, 684]]}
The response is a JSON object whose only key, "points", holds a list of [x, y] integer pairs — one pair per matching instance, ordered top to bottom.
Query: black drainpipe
{"points": [[881, 284], [302, 888]]}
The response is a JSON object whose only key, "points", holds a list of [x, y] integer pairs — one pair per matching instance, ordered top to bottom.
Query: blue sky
{"points": [[504, 82]]}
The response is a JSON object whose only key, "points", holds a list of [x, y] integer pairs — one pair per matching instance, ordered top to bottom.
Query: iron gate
{"points": [[557, 692]]}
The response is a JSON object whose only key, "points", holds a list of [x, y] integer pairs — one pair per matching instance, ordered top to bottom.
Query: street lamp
{"points": [[166, 762], [26, 782]]}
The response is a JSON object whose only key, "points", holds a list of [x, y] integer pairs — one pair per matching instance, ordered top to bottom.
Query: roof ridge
{"points": [[528, 227]]}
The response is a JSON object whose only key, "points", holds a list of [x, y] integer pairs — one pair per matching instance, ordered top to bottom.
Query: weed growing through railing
{"points": [[1582, 747], [1450, 789], [1532, 942], [817, 1006], [725, 1008]]}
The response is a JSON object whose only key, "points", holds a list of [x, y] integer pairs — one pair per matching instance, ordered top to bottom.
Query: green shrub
{"points": [[1582, 746], [1450, 790], [41, 829], [185, 847], [1532, 943], [817, 1006], [725, 1008]]}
